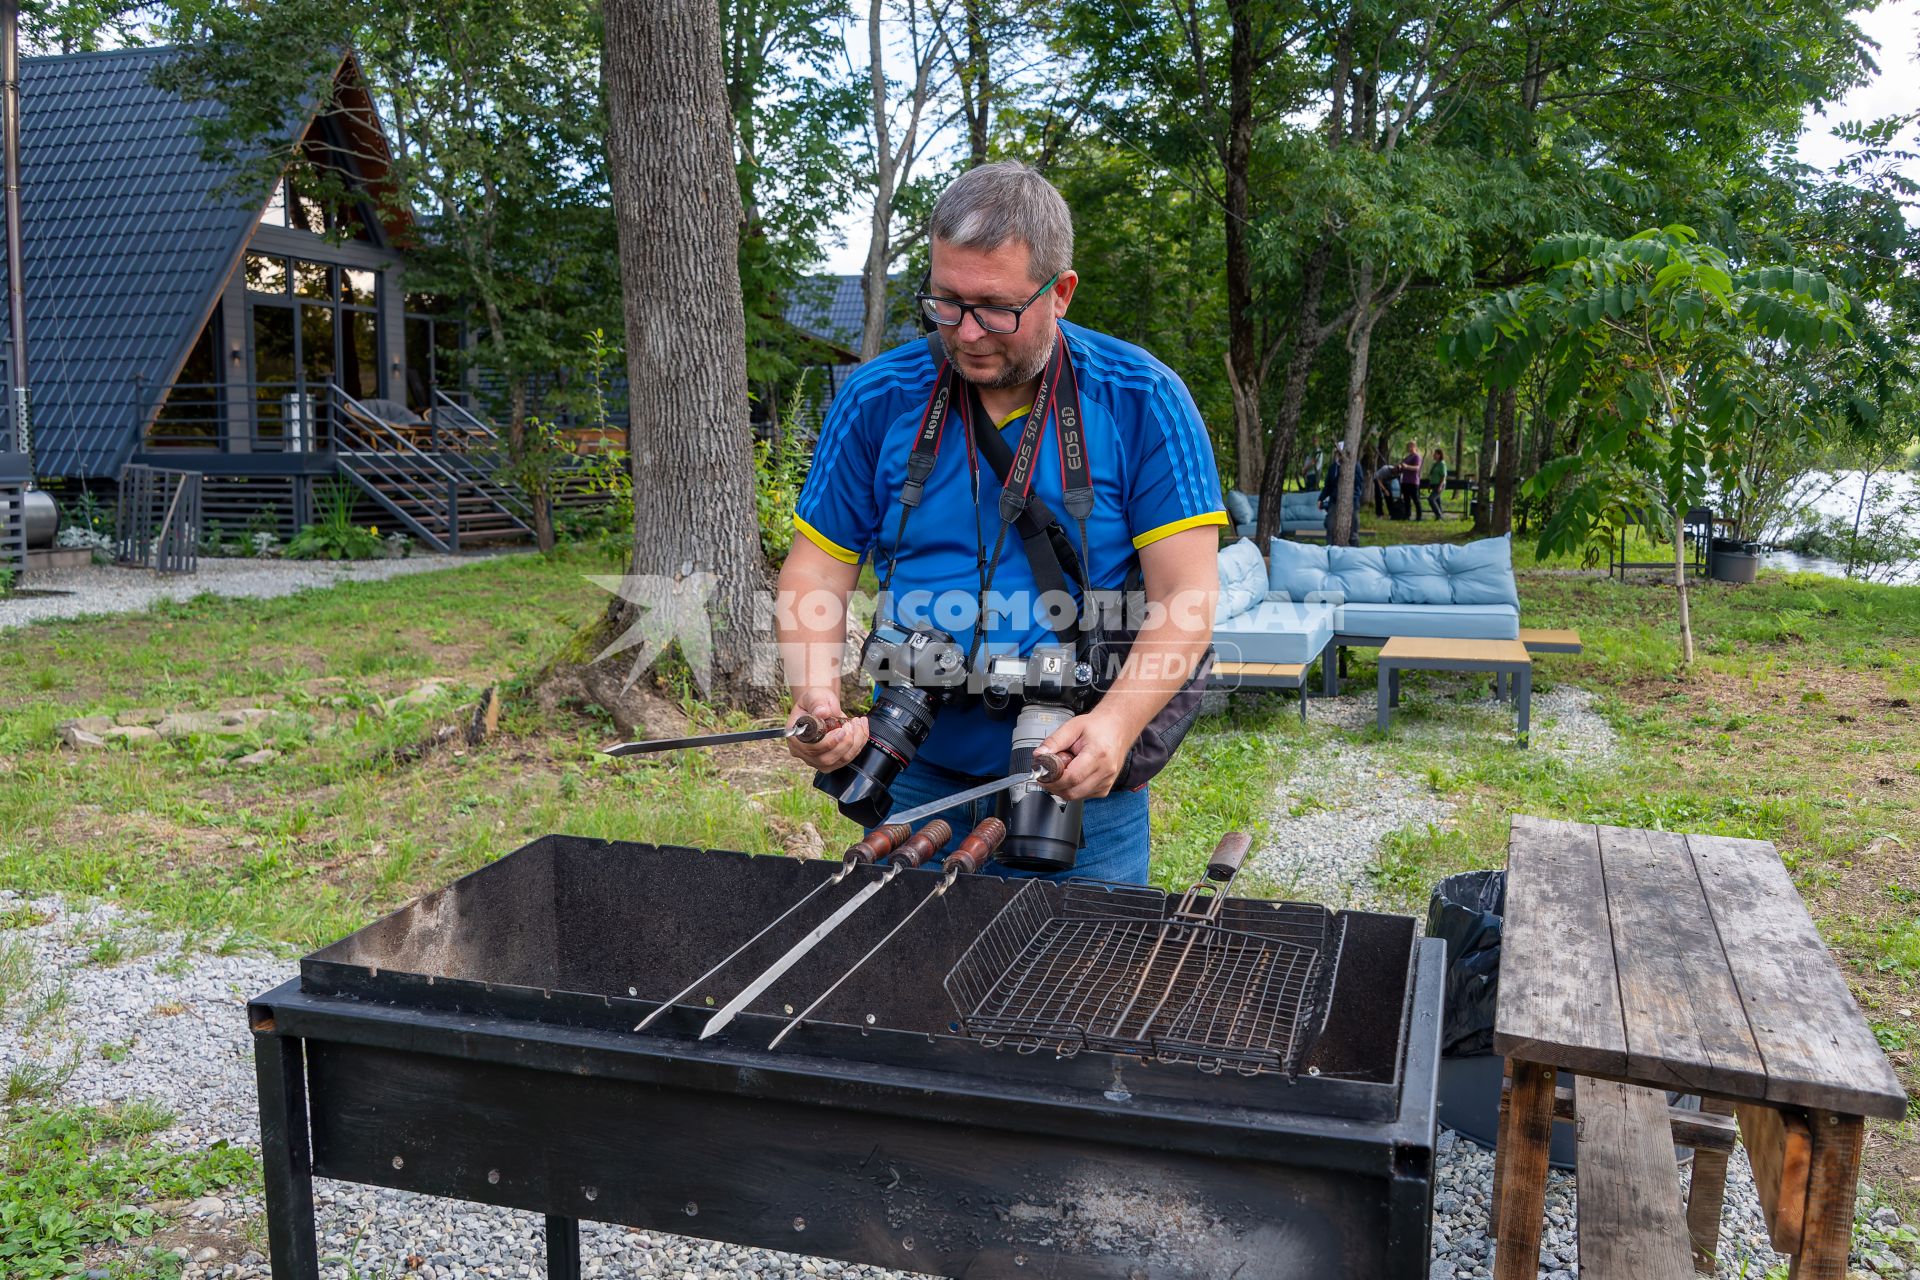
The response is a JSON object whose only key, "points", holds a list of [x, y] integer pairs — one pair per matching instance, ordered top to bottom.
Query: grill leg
{"points": [[285, 1158], [563, 1248]]}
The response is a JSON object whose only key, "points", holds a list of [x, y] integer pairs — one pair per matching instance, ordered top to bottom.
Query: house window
{"points": [[289, 207], [311, 322], [434, 340], [193, 413]]}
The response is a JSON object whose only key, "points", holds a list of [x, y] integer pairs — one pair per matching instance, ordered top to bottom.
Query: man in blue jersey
{"points": [[1001, 279]]}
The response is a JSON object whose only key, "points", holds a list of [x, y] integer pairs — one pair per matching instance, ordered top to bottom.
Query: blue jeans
{"points": [[1115, 826]]}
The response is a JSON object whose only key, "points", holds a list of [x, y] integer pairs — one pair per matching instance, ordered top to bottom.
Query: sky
{"points": [[1895, 25]]}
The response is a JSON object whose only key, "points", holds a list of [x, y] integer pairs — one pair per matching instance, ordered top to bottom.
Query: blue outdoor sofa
{"points": [[1299, 512], [1319, 600]]}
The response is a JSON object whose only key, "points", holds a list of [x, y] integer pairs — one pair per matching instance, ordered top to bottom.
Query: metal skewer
{"points": [[805, 727], [876, 845], [972, 854]]}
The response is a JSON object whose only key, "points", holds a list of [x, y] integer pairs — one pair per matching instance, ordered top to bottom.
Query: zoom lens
{"points": [[897, 725], [1043, 831]]}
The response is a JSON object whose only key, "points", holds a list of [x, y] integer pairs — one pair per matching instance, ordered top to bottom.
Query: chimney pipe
{"points": [[20, 397]]}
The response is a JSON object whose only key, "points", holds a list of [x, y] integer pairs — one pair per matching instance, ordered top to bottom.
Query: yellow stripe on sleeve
{"points": [[1178, 526], [828, 545]]}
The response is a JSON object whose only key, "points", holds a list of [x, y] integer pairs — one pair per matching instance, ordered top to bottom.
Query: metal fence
{"points": [[157, 523]]}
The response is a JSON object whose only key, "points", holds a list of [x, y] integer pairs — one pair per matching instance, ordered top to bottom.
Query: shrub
{"points": [[335, 536]]}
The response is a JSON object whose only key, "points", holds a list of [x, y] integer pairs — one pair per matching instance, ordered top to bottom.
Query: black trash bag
{"points": [[1466, 910]]}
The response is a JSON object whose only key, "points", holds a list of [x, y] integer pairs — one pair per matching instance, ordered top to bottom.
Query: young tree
{"points": [[923, 44], [676, 201], [1664, 345]]}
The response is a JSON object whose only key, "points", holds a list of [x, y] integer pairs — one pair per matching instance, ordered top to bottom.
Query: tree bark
{"points": [[976, 82], [676, 205], [873, 277], [1307, 339], [1360, 350], [1243, 362], [1483, 468], [1506, 474], [1680, 584]]}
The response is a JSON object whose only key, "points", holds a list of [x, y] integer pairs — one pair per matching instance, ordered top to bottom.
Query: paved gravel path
{"points": [[98, 589]]}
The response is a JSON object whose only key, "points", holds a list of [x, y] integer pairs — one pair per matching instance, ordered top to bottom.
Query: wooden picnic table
{"points": [[1642, 961]]}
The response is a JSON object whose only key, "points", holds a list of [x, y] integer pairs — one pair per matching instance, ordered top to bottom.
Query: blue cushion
{"points": [[1299, 504], [1242, 508], [1296, 570], [1482, 573], [1359, 574], [1419, 574], [1243, 580], [1448, 621], [1275, 631]]}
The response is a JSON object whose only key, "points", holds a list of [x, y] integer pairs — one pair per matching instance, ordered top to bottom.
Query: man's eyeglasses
{"points": [[992, 318]]}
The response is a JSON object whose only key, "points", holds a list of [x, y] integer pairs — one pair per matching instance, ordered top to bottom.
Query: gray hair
{"points": [[984, 208]]}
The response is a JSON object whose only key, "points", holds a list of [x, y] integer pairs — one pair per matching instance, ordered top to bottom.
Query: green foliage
{"points": [[1664, 347], [780, 469], [335, 536], [74, 1180]]}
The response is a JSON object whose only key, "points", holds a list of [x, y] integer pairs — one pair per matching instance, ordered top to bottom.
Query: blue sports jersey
{"points": [[1153, 475]]}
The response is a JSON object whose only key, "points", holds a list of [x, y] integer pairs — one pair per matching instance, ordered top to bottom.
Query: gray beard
{"points": [[1015, 375]]}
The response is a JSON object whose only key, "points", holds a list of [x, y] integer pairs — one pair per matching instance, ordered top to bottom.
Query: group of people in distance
{"points": [[1415, 478]]}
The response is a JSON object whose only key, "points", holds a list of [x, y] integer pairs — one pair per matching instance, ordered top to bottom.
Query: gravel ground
{"points": [[98, 589]]}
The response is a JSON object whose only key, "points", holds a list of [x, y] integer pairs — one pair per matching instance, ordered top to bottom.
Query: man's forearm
{"points": [[1182, 582], [811, 616]]}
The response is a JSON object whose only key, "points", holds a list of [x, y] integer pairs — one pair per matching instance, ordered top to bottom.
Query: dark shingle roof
{"points": [[128, 238], [832, 308]]}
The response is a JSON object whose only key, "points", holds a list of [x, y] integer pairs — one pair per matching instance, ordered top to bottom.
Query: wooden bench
{"points": [[1550, 640], [1262, 675], [1676, 962]]}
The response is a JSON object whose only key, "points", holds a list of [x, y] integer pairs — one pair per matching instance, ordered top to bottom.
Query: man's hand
{"points": [[839, 746], [1098, 746]]}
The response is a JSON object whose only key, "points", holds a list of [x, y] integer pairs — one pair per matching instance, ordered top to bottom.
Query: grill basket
{"points": [[1239, 984]]}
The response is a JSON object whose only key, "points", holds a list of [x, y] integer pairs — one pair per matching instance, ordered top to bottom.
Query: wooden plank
{"points": [[1442, 649], [1559, 997], [1684, 1022], [1818, 1050], [1702, 1130], [1780, 1148], [1520, 1172], [1831, 1184], [1707, 1192], [1631, 1223]]}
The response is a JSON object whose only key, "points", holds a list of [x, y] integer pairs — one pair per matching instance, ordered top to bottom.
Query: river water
{"points": [[1838, 500]]}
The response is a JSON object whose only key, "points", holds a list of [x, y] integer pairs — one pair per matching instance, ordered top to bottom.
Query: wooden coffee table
{"points": [[1507, 660]]}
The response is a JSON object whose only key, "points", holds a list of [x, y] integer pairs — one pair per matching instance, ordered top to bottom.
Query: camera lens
{"points": [[897, 725], [1043, 832]]}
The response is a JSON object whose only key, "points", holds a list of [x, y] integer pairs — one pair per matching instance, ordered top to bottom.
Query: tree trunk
{"points": [[976, 83], [676, 206], [873, 277], [1360, 349], [1243, 361], [1293, 395], [1483, 467], [1506, 474], [1680, 584]]}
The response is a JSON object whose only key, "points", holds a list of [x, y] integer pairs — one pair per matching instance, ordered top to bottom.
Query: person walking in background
{"points": [[1336, 470], [1410, 478], [1435, 483]]}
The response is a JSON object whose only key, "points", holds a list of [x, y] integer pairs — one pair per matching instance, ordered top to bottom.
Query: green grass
{"points": [[77, 1179]]}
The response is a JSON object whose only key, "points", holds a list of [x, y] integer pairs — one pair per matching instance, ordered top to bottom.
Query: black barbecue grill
{"points": [[479, 1044]]}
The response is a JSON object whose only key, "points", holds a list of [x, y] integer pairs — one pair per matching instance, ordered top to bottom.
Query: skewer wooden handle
{"points": [[810, 728], [1051, 765], [929, 840], [878, 843], [977, 847], [1228, 855]]}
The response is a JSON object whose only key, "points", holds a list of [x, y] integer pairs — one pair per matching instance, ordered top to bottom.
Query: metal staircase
{"points": [[444, 495]]}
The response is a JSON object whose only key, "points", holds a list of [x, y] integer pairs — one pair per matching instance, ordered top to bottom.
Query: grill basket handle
{"points": [[1228, 855]]}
